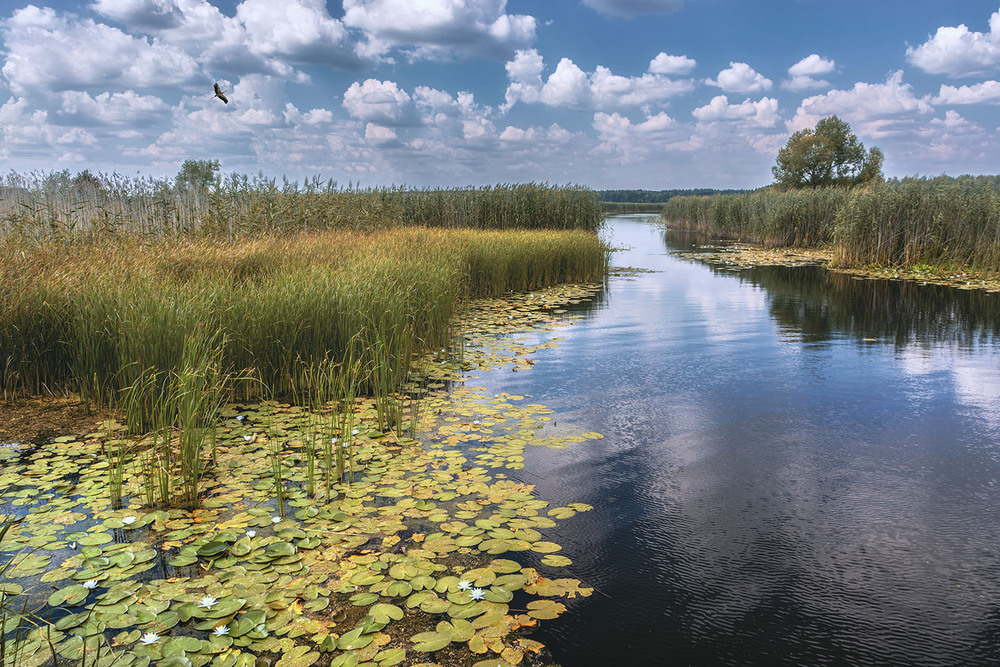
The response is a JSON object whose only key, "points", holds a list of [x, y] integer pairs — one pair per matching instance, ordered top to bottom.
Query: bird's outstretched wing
{"points": [[220, 94]]}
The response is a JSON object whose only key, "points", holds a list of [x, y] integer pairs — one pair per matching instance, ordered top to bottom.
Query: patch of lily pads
{"points": [[420, 555]]}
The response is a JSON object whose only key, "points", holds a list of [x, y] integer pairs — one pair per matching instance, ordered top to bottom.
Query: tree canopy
{"points": [[829, 154], [197, 175]]}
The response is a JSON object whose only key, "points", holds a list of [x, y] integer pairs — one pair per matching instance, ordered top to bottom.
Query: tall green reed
{"points": [[943, 222], [103, 318], [178, 411]]}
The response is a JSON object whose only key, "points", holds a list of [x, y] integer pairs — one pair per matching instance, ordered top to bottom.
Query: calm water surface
{"points": [[799, 468]]}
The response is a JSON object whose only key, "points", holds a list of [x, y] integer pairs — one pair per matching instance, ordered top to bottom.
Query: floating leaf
{"points": [[545, 547], [277, 549], [555, 560], [71, 595], [364, 599], [545, 609], [383, 613], [458, 629], [354, 639], [426, 642], [299, 656], [389, 657], [349, 659]]}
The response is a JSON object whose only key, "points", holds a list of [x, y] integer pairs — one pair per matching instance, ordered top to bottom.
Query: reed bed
{"points": [[41, 206], [771, 217], [944, 223], [952, 224], [101, 318]]}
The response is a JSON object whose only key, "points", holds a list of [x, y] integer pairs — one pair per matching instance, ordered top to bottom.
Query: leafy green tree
{"points": [[829, 154], [199, 175]]}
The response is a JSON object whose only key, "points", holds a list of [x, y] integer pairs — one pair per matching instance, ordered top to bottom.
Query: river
{"points": [[799, 468]]}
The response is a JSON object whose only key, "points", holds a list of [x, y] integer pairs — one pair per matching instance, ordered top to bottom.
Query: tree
{"points": [[829, 154], [199, 175]]}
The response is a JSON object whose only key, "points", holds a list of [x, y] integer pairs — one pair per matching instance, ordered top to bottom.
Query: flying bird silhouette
{"points": [[221, 95]]}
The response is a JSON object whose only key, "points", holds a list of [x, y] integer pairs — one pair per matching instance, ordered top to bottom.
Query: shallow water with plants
{"points": [[799, 467], [392, 548]]}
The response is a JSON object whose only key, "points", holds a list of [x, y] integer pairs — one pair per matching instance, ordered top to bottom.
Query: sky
{"points": [[653, 94]]}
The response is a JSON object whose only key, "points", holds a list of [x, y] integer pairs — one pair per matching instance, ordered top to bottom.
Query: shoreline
{"points": [[738, 254]]}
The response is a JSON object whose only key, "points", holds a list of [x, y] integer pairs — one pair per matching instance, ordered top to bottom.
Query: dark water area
{"points": [[799, 468]]}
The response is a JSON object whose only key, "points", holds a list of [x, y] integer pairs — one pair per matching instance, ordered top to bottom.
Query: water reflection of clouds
{"points": [[975, 379], [761, 499]]}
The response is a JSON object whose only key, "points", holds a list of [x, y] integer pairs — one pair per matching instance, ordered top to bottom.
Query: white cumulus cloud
{"points": [[142, 14], [442, 28], [298, 31], [217, 41], [958, 51], [49, 52], [671, 65], [812, 65], [803, 73], [740, 78], [570, 86], [987, 92], [381, 102], [875, 107], [106, 108], [762, 113]]}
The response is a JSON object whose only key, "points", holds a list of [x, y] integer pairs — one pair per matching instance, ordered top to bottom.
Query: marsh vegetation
{"points": [[947, 223], [277, 360]]}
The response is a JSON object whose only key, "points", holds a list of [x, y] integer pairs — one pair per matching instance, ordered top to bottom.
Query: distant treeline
{"points": [[657, 196], [943, 222]]}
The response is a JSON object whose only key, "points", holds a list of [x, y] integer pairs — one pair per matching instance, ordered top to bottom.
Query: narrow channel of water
{"points": [[799, 468]]}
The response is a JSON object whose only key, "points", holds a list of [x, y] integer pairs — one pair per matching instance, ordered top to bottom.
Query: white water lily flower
{"points": [[240, 418], [355, 431], [248, 438], [333, 441], [275, 519], [129, 520], [251, 533], [72, 545], [92, 584], [464, 585], [477, 594], [207, 602], [221, 630], [150, 638]]}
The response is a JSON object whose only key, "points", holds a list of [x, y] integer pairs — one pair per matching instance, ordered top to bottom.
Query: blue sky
{"points": [[606, 93]]}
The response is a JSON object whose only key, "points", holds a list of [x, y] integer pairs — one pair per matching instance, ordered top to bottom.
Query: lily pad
{"points": [[70, 595], [427, 642]]}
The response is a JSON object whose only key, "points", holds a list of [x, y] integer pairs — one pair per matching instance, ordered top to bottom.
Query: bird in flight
{"points": [[221, 95]]}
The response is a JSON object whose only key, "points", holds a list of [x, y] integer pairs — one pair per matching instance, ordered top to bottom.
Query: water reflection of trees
{"points": [[822, 304]]}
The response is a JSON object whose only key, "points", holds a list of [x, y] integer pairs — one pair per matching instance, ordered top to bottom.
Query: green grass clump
{"points": [[99, 318]]}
